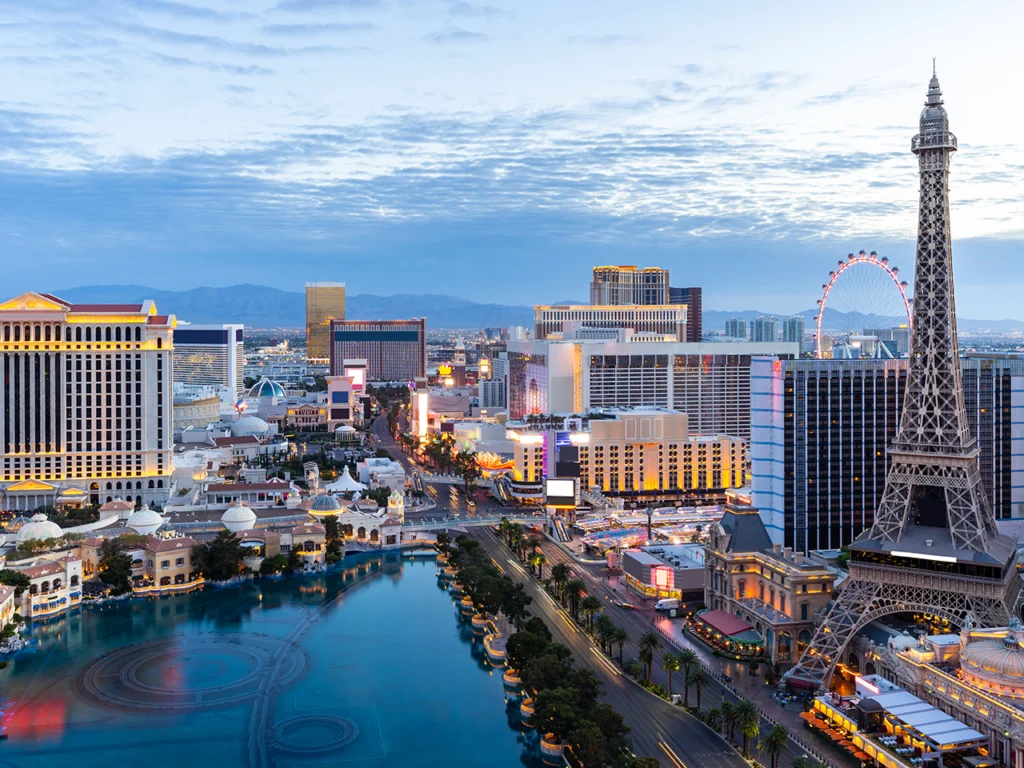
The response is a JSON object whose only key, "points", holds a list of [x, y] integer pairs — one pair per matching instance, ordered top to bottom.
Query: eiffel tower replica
{"points": [[933, 547]]}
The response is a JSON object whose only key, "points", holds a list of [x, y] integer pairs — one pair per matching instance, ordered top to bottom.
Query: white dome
{"points": [[249, 425], [238, 517], [144, 521], [39, 528], [902, 641]]}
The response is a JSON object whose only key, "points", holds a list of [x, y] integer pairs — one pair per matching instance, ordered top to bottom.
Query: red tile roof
{"points": [[106, 308], [158, 320], [227, 442], [246, 487], [309, 528], [169, 545], [42, 569], [5, 592], [724, 622]]}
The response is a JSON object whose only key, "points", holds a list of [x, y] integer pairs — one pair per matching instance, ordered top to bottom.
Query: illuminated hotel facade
{"points": [[615, 286], [325, 302], [666, 319], [394, 350], [210, 355], [709, 382], [85, 404], [644, 454]]}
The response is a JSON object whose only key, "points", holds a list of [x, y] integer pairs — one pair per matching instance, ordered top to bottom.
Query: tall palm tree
{"points": [[533, 542], [537, 561], [560, 575], [575, 590], [590, 606], [605, 628], [620, 637], [648, 643], [687, 661], [670, 663], [699, 678], [730, 717], [713, 718], [749, 723], [773, 744]]}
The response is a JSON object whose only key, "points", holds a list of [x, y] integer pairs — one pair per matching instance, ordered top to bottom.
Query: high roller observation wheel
{"points": [[857, 260]]}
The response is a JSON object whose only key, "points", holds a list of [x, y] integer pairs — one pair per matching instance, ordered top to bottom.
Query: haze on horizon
{"points": [[498, 151]]}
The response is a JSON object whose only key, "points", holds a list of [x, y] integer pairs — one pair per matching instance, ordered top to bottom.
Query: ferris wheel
{"points": [[862, 294]]}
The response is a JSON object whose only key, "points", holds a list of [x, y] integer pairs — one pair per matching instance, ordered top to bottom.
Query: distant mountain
{"points": [[260, 306], [714, 320]]}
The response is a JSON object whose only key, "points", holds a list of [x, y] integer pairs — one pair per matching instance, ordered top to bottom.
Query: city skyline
{"points": [[230, 139]]}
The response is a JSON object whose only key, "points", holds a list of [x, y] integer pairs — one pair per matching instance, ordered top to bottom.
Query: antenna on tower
{"points": [[933, 67]]}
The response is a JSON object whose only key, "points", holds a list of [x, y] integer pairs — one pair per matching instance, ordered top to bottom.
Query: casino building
{"points": [[395, 350], [210, 355], [85, 402]]}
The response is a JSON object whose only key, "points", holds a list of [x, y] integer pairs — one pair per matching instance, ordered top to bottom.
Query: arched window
{"points": [[7, 332], [17, 333], [39, 333], [67, 333], [117, 333], [138, 333], [88, 334], [108, 334], [46, 335], [159, 343], [151, 483], [159, 483], [138, 485], [94, 486], [110, 486], [118, 486], [128, 498], [109, 499], [74, 581], [56, 583], [45, 586]]}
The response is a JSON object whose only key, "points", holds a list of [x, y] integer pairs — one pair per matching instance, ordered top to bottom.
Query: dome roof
{"points": [[266, 388], [249, 425], [396, 494], [325, 504], [238, 517], [144, 521], [38, 527], [902, 642], [995, 664]]}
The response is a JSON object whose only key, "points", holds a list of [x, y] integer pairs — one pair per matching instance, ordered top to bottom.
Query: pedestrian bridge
{"points": [[468, 522]]}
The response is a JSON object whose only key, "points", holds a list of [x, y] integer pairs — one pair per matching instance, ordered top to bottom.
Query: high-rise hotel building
{"points": [[615, 286], [325, 302], [668, 319], [395, 350], [210, 355], [85, 402], [821, 431]]}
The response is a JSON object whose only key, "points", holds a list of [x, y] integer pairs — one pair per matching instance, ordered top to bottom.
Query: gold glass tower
{"points": [[324, 302]]}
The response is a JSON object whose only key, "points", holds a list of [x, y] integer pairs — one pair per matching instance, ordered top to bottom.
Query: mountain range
{"points": [[261, 306]]}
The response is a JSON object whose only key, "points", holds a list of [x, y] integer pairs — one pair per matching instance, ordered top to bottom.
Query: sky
{"points": [[499, 151]]}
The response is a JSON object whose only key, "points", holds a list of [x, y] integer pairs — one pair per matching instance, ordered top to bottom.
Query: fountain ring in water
{"points": [[190, 672], [342, 731]]}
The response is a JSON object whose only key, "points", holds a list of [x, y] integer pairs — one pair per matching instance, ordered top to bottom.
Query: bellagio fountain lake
{"points": [[367, 664]]}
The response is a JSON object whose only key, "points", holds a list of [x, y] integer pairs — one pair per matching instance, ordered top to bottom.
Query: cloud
{"points": [[328, 5], [183, 10], [486, 12], [303, 30], [455, 35], [604, 39], [211, 66]]}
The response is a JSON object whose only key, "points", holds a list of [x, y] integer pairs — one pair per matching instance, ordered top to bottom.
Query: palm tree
{"points": [[533, 543], [537, 561], [560, 576], [575, 590], [590, 606], [605, 628], [620, 637], [648, 643], [687, 661], [670, 663], [699, 678], [730, 717], [713, 718], [749, 722], [773, 744]]}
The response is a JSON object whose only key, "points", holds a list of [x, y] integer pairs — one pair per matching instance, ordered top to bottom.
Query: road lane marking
{"points": [[497, 565], [517, 566], [601, 657], [671, 755]]}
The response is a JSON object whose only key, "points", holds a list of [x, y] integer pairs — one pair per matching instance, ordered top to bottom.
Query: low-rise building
{"points": [[309, 417], [243, 449], [386, 473], [308, 539], [667, 571], [55, 584], [776, 590], [7, 605]]}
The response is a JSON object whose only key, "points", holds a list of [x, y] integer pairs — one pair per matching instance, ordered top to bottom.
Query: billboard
{"points": [[560, 493]]}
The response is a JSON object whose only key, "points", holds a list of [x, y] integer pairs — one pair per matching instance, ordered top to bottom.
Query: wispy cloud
{"points": [[327, 5], [486, 12], [308, 30], [456, 35], [604, 39], [211, 66]]}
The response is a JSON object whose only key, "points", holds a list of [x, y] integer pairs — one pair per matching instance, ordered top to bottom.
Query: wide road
{"points": [[658, 729]]}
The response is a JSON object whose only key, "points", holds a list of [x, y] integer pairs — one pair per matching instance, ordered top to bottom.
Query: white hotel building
{"points": [[210, 356], [708, 382], [85, 402]]}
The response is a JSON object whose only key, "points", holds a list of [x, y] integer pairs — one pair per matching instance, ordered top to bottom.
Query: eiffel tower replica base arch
{"points": [[933, 547]]}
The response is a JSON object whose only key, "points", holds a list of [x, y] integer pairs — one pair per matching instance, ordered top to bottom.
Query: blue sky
{"points": [[497, 151]]}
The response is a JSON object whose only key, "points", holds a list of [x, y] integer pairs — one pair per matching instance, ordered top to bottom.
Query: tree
{"points": [[466, 467], [379, 495], [331, 528], [444, 542], [221, 559], [294, 561], [537, 562], [271, 565], [115, 567], [560, 574], [16, 579], [575, 590], [514, 602], [590, 605], [604, 627], [620, 638], [648, 643], [523, 647], [687, 661], [670, 663], [699, 678], [557, 711], [730, 718], [713, 719], [749, 723], [588, 744], [773, 744]]}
